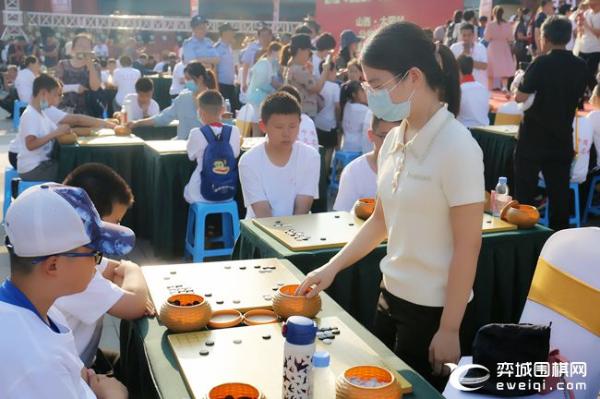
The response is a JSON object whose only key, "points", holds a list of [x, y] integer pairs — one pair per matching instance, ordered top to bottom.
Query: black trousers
{"points": [[592, 60], [228, 93], [557, 175], [407, 329]]}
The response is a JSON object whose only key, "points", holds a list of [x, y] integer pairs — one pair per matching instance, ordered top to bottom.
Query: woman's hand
{"points": [[317, 281], [444, 348], [105, 387]]}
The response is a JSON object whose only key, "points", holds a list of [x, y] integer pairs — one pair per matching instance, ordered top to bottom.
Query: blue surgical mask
{"points": [[191, 86], [380, 102], [44, 105]]}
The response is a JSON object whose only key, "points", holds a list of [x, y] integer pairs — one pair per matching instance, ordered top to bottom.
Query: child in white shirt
{"points": [[25, 78], [124, 79], [475, 98], [353, 102], [142, 105], [211, 107], [328, 119], [308, 131], [37, 132], [281, 176], [359, 177]]}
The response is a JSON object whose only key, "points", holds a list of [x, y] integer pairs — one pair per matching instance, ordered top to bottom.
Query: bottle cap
{"points": [[502, 180], [299, 330], [321, 359]]}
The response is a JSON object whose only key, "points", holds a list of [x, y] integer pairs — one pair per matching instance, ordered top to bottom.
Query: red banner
{"points": [[364, 16]]}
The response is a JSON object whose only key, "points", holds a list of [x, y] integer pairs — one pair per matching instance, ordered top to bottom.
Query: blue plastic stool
{"points": [[17, 112], [340, 159], [9, 174], [19, 185], [590, 208], [574, 220], [196, 229]]}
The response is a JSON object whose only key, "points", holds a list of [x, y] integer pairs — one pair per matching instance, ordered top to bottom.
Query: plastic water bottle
{"points": [[227, 105], [126, 111], [501, 197], [300, 334], [323, 377]]}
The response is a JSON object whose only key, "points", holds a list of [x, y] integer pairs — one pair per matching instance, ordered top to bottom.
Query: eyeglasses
{"points": [[367, 87], [97, 255]]}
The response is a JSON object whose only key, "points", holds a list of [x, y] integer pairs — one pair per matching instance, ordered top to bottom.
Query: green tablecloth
{"points": [[161, 91], [156, 133], [498, 152], [123, 156], [167, 171], [504, 272], [150, 369]]}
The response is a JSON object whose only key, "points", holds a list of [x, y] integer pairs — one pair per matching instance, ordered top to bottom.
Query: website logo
{"points": [[458, 379]]}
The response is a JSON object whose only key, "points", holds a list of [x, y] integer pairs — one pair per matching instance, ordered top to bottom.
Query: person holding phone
{"points": [[79, 75]]}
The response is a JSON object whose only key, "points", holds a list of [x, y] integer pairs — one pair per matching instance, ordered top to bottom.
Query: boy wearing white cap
{"points": [[55, 240]]}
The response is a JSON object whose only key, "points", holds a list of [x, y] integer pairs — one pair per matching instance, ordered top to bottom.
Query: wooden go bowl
{"points": [[122, 131], [67, 138], [364, 208], [524, 216], [286, 304], [185, 318], [345, 389], [236, 390]]}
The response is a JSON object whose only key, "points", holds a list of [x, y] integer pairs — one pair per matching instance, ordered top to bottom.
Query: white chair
{"points": [[575, 252]]}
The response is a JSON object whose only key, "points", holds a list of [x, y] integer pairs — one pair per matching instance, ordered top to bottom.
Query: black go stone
{"points": [[209, 343], [204, 352]]}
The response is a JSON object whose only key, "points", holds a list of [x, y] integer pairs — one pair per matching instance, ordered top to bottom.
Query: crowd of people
{"points": [[402, 106]]}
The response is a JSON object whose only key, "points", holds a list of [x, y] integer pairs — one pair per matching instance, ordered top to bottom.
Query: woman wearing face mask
{"points": [[296, 56], [79, 75], [183, 108], [430, 202]]}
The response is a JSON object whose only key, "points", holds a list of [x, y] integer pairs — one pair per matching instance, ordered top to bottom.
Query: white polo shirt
{"points": [[125, 79], [474, 105], [443, 168], [358, 180]]}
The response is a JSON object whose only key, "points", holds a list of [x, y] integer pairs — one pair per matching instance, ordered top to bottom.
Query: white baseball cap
{"points": [[50, 219]]}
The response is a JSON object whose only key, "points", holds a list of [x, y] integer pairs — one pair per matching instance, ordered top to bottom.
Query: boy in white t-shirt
{"points": [[124, 79], [475, 99], [142, 104], [211, 107], [328, 119], [308, 131], [37, 132], [280, 177], [359, 177], [117, 288], [38, 349]]}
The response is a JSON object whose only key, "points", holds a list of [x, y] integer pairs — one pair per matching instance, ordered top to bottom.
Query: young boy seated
{"points": [[474, 98], [142, 104], [211, 106], [308, 131], [37, 132], [280, 177], [359, 177], [55, 240], [118, 288]]}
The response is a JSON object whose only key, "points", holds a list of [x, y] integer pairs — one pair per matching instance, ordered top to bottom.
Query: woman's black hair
{"points": [[400, 46], [345, 54], [196, 70], [347, 93]]}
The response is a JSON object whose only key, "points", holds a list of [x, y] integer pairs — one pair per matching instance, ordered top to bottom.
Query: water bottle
{"points": [[227, 105], [126, 111], [501, 197], [300, 334], [323, 377]]}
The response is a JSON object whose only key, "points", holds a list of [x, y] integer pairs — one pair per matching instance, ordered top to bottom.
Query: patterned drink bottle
{"points": [[300, 334]]}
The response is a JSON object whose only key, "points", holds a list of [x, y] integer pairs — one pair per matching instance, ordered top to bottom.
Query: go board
{"points": [[505, 130], [102, 140], [168, 146], [493, 224], [313, 231], [241, 285], [254, 355]]}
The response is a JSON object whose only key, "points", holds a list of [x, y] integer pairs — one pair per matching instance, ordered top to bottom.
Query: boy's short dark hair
{"points": [[564, 9], [469, 15], [483, 18], [467, 27], [304, 29], [557, 30], [325, 41], [29, 60], [125, 61], [465, 64], [44, 82], [144, 85], [292, 91], [211, 101], [279, 103], [103, 185]]}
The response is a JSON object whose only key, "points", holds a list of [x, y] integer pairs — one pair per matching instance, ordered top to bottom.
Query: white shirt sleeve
{"points": [[480, 53], [55, 115], [30, 126], [235, 141], [196, 144], [310, 170], [462, 173], [250, 180], [347, 193], [90, 305], [48, 381]]}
